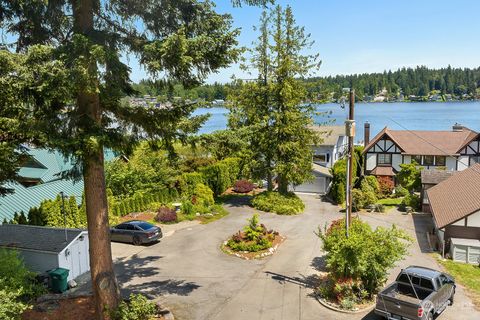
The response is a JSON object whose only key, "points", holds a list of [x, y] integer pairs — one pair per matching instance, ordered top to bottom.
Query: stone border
{"points": [[260, 255], [332, 307]]}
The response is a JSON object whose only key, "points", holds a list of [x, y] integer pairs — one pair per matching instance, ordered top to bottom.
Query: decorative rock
{"points": [[197, 214], [72, 284]]}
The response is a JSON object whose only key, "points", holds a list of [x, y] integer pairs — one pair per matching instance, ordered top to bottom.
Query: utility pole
{"points": [[350, 133], [64, 215]]}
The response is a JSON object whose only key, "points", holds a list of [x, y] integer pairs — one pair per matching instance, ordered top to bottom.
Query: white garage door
{"points": [[319, 185], [460, 253]]}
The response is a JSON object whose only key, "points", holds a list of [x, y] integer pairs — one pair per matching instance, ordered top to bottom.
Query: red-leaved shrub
{"points": [[386, 185], [243, 186], [166, 214]]}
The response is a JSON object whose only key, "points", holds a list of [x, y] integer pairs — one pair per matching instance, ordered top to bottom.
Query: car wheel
{"points": [[137, 241], [450, 301]]}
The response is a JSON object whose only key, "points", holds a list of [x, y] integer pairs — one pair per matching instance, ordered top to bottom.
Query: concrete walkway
{"points": [[189, 274]]}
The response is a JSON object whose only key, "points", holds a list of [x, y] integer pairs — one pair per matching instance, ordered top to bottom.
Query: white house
{"points": [[330, 149], [448, 150], [45, 248]]}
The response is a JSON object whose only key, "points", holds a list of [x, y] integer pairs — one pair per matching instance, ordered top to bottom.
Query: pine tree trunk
{"points": [[282, 185], [104, 283]]}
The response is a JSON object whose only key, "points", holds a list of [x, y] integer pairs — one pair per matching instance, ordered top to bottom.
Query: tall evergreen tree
{"points": [[70, 80], [274, 105]]}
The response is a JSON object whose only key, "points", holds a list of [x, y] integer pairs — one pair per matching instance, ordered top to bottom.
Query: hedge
{"points": [[221, 175], [141, 202]]}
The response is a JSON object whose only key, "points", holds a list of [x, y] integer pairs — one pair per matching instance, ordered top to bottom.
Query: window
{"points": [[320, 158], [384, 159], [417, 159], [474, 159], [428, 160], [440, 160], [426, 283]]}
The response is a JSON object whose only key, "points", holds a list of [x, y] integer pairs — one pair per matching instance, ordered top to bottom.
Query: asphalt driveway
{"points": [[188, 273]]}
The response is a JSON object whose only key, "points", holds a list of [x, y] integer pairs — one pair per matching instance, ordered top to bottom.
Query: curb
{"points": [[331, 307]]}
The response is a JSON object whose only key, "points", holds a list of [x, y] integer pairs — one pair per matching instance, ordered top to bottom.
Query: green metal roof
{"points": [[51, 183], [25, 198]]}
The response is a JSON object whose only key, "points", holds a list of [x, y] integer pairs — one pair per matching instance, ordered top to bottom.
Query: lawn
{"points": [[390, 203], [467, 275]]}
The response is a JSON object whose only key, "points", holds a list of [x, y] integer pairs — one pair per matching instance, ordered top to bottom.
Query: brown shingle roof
{"points": [[329, 134], [419, 142], [383, 171], [434, 176], [456, 197]]}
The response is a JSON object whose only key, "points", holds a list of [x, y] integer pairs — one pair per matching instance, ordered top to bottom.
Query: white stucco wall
{"points": [[407, 159], [371, 161], [396, 161], [463, 162], [451, 163], [473, 220], [459, 223]]}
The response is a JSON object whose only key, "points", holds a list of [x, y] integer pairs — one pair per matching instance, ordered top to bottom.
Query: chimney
{"points": [[457, 127], [366, 133]]}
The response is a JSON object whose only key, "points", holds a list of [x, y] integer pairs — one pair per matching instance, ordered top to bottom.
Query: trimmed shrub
{"points": [[221, 175], [190, 180], [370, 183], [243, 186], [386, 186], [400, 191], [203, 195], [362, 199], [411, 200], [281, 204], [187, 208], [166, 214], [255, 237], [360, 257], [137, 308]]}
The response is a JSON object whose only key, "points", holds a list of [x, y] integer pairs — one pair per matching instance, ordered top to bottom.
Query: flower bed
{"points": [[255, 241]]}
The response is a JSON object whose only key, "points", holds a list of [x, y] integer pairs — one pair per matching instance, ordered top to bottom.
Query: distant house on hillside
{"points": [[331, 148], [448, 150], [40, 178], [455, 207]]}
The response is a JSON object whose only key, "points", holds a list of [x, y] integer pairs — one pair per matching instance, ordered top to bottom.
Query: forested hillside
{"points": [[403, 84]]}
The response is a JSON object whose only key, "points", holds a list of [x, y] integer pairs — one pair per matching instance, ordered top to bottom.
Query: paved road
{"points": [[188, 273]]}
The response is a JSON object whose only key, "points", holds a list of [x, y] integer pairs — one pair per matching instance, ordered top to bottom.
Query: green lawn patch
{"points": [[390, 203], [220, 213], [466, 274]]}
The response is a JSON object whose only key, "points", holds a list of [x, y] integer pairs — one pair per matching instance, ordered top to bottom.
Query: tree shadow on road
{"points": [[233, 200], [319, 264], [136, 273]]}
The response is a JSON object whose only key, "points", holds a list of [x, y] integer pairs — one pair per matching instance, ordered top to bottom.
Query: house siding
{"points": [[371, 161], [396, 161], [451, 163], [463, 163], [473, 220], [453, 231]]}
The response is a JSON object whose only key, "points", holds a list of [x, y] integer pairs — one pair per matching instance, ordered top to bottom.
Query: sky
{"points": [[365, 36]]}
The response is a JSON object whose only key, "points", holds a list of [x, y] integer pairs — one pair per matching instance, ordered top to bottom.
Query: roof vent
{"points": [[457, 127]]}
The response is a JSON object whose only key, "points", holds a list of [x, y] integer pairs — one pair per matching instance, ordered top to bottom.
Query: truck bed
{"points": [[404, 292]]}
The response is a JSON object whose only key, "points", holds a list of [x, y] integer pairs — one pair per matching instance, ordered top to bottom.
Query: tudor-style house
{"points": [[454, 150]]}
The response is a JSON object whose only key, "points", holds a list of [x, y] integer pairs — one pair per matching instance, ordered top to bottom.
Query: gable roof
{"points": [[329, 134], [422, 142], [434, 176], [456, 197], [36, 238]]}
